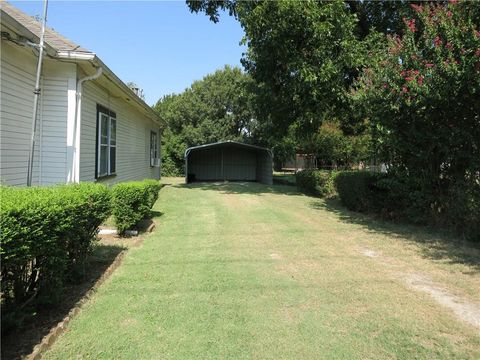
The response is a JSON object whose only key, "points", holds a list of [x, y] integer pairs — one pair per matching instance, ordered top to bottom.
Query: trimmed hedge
{"points": [[316, 182], [153, 188], [355, 189], [378, 193], [394, 197], [132, 201], [45, 236]]}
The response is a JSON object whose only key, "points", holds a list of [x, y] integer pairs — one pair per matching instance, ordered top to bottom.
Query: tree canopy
{"points": [[304, 56], [216, 108]]}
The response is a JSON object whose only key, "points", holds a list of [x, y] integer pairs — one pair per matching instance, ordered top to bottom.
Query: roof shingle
{"points": [[55, 40]]}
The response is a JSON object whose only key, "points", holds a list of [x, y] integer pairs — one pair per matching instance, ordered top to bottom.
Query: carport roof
{"points": [[255, 147]]}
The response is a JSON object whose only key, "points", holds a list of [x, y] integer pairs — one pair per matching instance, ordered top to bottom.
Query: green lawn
{"points": [[246, 271]]}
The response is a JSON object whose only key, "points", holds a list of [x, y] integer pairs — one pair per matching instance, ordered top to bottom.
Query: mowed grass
{"points": [[246, 271]]}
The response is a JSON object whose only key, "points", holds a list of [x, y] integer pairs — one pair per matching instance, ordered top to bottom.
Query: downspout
{"points": [[36, 96], [75, 177]]}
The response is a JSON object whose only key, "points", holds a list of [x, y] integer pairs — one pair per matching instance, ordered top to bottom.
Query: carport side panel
{"points": [[205, 164], [239, 164], [264, 168]]}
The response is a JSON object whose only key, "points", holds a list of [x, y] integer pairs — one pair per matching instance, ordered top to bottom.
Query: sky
{"points": [[159, 45]]}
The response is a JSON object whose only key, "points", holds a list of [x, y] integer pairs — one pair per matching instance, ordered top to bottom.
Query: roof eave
{"points": [[78, 56], [153, 115]]}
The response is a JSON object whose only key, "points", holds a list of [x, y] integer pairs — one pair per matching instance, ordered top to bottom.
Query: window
{"points": [[106, 142], [154, 160]]}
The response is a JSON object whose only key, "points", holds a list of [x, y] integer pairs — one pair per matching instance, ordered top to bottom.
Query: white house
{"points": [[91, 126]]}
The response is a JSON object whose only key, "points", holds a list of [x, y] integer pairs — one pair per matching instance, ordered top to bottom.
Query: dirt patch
{"points": [[124, 242], [369, 253], [465, 310]]}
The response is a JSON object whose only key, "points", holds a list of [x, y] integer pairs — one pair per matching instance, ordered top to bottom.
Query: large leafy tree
{"points": [[296, 54], [305, 54], [422, 96], [216, 108]]}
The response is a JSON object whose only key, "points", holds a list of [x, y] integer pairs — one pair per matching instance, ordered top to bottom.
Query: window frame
{"points": [[111, 120], [154, 150]]}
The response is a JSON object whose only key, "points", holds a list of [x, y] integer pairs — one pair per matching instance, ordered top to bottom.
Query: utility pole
{"points": [[36, 95]]}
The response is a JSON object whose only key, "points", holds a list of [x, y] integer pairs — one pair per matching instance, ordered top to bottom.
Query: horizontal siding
{"points": [[17, 83], [16, 109], [133, 137]]}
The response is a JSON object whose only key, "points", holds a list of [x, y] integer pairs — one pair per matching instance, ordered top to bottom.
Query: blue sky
{"points": [[159, 45]]}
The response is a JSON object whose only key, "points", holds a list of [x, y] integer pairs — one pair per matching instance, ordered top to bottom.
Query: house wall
{"points": [[18, 66], [133, 137]]}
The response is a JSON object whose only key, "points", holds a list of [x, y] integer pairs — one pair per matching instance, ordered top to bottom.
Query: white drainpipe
{"points": [[74, 173]]}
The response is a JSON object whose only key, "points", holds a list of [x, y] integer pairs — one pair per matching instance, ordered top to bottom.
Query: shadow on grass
{"points": [[241, 188], [155, 214], [434, 244], [20, 342]]}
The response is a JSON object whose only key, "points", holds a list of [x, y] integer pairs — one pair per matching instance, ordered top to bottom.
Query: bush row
{"points": [[316, 182], [395, 197], [132, 201], [456, 206], [47, 233], [45, 236]]}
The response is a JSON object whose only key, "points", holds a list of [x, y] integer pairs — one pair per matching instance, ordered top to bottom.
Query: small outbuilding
{"points": [[229, 161]]}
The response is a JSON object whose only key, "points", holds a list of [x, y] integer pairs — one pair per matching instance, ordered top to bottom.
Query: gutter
{"points": [[75, 55]]}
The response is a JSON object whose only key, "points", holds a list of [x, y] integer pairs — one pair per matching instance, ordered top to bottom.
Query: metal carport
{"points": [[228, 161]]}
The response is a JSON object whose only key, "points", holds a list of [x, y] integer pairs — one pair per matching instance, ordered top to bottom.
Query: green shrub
{"points": [[170, 168], [316, 182], [153, 188], [355, 189], [388, 195], [401, 197], [132, 201], [85, 206], [462, 210], [45, 236]]}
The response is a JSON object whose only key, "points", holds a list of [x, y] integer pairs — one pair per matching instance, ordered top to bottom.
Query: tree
{"points": [[299, 54], [304, 56], [422, 97], [216, 108], [333, 147]]}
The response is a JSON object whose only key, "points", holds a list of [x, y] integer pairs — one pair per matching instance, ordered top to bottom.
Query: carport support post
{"points": [[187, 152]]}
